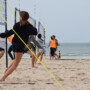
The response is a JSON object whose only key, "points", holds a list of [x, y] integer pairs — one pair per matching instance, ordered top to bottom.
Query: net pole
{"points": [[15, 15], [38, 27], [6, 31], [38, 33], [44, 36], [35, 38]]}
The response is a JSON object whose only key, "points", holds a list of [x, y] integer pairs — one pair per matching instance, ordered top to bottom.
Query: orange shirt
{"points": [[10, 39], [52, 44]]}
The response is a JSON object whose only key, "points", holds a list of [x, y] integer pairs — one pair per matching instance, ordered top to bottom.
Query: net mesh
{"points": [[2, 11], [17, 14], [32, 21], [41, 30]]}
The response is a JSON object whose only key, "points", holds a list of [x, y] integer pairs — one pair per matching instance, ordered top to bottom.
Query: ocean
{"points": [[70, 51], [73, 51]]}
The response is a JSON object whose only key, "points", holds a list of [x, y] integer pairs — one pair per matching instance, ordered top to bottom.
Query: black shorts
{"points": [[17, 47], [1, 49], [55, 49], [52, 51]]}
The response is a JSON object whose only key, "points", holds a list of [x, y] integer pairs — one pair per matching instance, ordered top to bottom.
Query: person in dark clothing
{"points": [[23, 29], [57, 44], [9, 52]]}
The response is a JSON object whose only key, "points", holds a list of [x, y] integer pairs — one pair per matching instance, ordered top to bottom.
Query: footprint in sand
{"points": [[81, 74], [73, 77], [60, 79], [83, 79]]}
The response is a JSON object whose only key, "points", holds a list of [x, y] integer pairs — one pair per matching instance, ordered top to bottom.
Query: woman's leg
{"points": [[9, 52], [1, 54], [38, 55], [56, 55], [41, 56], [33, 58], [14, 65], [9, 66]]}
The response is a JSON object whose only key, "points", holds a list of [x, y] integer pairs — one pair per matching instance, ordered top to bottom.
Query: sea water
{"points": [[73, 50], [70, 51]]}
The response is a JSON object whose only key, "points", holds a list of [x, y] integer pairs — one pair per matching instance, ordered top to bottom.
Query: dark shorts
{"points": [[17, 47], [1, 49], [55, 49], [52, 51]]}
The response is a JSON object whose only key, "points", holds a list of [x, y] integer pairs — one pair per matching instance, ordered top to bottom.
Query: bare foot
{"points": [[2, 80]]}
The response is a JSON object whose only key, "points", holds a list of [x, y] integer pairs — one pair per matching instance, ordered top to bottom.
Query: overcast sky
{"points": [[69, 20]]}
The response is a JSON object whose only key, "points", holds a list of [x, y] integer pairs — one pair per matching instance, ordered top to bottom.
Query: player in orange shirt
{"points": [[52, 45]]}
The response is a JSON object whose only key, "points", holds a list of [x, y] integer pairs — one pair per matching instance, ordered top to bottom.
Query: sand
{"points": [[72, 75]]}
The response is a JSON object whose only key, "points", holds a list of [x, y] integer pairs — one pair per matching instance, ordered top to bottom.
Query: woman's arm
{"points": [[32, 30], [9, 33], [6, 34], [49, 45]]}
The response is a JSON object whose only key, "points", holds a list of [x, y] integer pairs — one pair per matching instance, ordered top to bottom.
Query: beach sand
{"points": [[71, 74]]}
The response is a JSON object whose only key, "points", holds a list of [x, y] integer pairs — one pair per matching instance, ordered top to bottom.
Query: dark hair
{"points": [[24, 15], [39, 35], [52, 38]]}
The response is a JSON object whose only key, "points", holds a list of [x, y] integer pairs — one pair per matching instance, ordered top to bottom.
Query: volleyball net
{"points": [[2, 11], [17, 15], [3, 26], [41, 30]]}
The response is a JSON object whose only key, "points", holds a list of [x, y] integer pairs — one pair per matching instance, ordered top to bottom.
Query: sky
{"points": [[69, 20]]}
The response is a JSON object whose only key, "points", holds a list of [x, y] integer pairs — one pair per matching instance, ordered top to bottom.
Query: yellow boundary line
{"points": [[2, 6], [10, 9], [9, 17], [33, 53]]}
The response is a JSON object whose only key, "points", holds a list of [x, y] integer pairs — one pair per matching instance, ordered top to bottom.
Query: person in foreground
{"points": [[23, 29]]}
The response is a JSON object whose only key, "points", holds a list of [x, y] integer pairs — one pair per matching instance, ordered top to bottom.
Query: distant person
{"points": [[57, 44], [52, 45], [2, 47], [11, 48], [41, 51], [59, 55]]}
